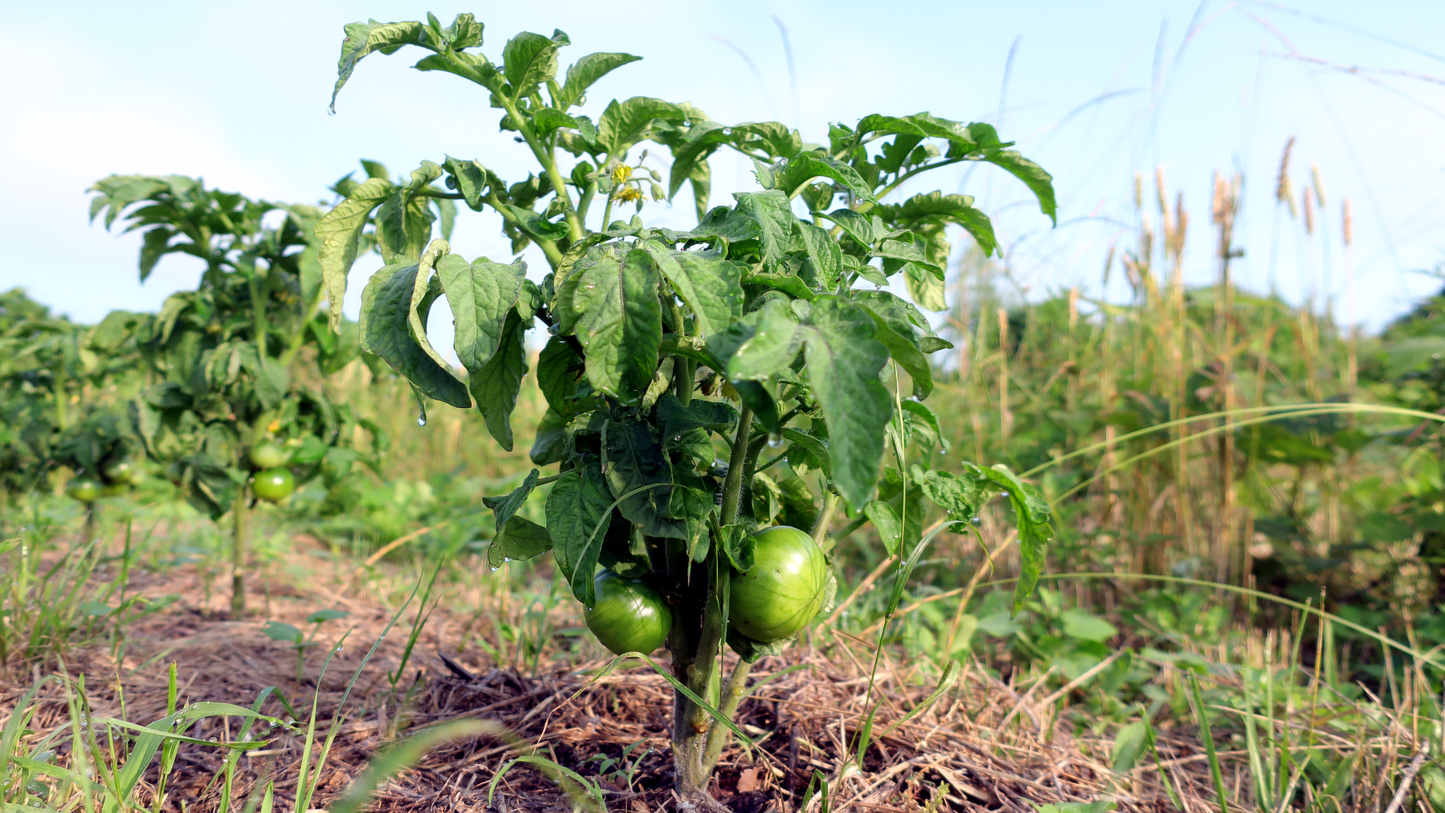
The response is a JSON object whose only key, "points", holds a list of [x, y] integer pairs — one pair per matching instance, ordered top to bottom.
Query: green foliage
{"points": [[655, 333], [222, 358], [62, 389]]}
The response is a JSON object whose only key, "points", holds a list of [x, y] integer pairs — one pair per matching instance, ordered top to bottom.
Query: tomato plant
{"points": [[221, 358], [675, 358], [59, 405]]}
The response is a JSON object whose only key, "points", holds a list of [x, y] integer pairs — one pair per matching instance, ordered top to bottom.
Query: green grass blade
{"points": [[408, 752], [1215, 774]]}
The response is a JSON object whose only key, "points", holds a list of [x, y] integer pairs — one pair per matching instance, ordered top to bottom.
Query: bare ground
{"points": [[983, 745]]}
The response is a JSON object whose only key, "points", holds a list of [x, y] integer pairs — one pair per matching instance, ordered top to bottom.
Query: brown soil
{"points": [[993, 747]]}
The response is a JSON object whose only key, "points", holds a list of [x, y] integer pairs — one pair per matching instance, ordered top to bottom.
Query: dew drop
{"points": [[421, 415], [775, 440], [976, 520], [506, 558], [494, 569], [589, 609]]}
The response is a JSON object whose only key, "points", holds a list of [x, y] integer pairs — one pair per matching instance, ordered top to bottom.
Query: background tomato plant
{"points": [[224, 360]]}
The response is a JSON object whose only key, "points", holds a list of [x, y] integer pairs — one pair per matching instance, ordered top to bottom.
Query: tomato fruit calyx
{"points": [[268, 455], [273, 484], [784, 588], [628, 615]]}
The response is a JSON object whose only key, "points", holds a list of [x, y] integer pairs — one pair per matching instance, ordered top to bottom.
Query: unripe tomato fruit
{"points": [[268, 455], [119, 471], [273, 485], [84, 489], [783, 590], [628, 615]]}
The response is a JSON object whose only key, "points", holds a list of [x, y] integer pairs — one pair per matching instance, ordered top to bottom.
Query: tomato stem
{"points": [[238, 556]]}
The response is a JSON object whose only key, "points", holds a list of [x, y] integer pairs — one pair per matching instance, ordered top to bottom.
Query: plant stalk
{"points": [[732, 486], [238, 556], [696, 640], [732, 695]]}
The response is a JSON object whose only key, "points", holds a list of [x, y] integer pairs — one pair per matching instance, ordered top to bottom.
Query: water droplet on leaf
{"points": [[775, 440]]}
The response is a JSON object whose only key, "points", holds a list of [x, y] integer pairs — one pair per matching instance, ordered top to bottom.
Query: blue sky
{"points": [[237, 93]]}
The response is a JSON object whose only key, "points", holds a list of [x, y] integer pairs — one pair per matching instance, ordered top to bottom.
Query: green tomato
{"points": [[268, 455], [119, 471], [273, 484], [84, 489], [783, 590], [628, 616]]}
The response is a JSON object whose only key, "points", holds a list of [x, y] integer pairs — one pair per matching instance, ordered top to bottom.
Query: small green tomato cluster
{"points": [[116, 478], [272, 481], [772, 601]]}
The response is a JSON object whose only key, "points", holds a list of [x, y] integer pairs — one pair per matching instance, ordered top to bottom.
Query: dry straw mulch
{"points": [[994, 746]]}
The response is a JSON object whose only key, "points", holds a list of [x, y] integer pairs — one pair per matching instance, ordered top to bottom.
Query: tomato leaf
{"points": [[364, 38], [527, 61], [585, 72], [623, 124], [790, 176], [1034, 177], [470, 179], [936, 207], [774, 216], [536, 225], [864, 229], [340, 231], [825, 255], [709, 285], [424, 293], [481, 295], [620, 324], [386, 332], [772, 347], [904, 350], [843, 362], [558, 367], [496, 384], [700, 414], [551, 439], [808, 453], [635, 461], [962, 495], [692, 506], [506, 507], [578, 516], [1032, 516], [885, 519], [521, 538], [738, 545]]}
